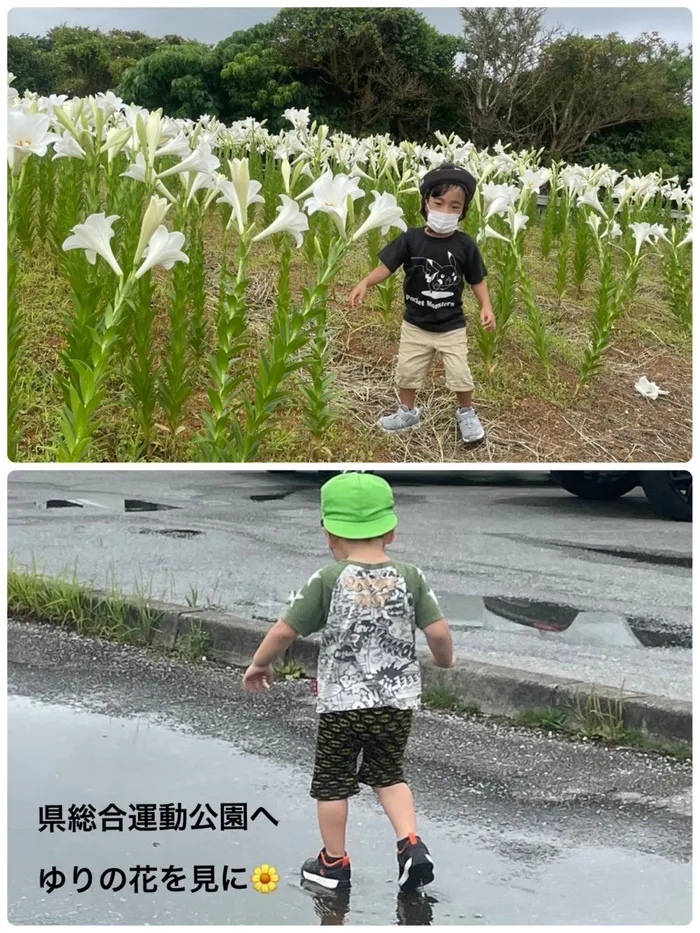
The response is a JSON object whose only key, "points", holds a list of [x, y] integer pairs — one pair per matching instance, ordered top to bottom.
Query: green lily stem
{"points": [[14, 317], [85, 385]]}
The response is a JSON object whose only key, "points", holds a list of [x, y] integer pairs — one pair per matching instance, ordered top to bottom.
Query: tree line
{"points": [[369, 70]]}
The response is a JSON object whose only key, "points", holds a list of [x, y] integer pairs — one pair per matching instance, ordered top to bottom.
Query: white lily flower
{"points": [[109, 103], [298, 118], [154, 132], [27, 134], [115, 140], [67, 146], [179, 146], [199, 160], [137, 169], [286, 174], [535, 178], [201, 180], [246, 190], [229, 193], [330, 194], [590, 198], [498, 207], [384, 213], [152, 219], [291, 219], [517, 221], [594, 221], [615, 229], [659, 231], [642, 233], [492, 234], [93, 236], [688, 238], [163, 250]]}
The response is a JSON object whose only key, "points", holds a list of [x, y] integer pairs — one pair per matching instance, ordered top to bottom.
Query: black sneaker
{"points": [[415, 863], [329, 873]]}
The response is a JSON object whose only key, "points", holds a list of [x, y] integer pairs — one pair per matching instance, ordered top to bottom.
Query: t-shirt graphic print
{"points": [[436, 269], [439, 277], [367, 615]]}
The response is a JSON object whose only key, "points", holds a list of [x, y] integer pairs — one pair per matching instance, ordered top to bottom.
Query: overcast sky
{"points": [[212, 24]]}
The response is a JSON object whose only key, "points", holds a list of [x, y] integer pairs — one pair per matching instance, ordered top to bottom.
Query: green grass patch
{"points": [[66, 602], [289, 670], [440, 698], [591, 717]]}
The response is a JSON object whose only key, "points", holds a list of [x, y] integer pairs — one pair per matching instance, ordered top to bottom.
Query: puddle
{"points": [[63, 504], [140, 505], [561, 623], [65, 757]]}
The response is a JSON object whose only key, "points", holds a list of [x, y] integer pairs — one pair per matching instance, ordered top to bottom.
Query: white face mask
{"points": [[443, 223]]}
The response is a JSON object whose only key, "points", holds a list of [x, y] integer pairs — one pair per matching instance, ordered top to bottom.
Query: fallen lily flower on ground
{"points": [[648, 389]]}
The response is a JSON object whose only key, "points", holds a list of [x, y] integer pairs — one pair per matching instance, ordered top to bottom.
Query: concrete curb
{"points": [[495, 690]]}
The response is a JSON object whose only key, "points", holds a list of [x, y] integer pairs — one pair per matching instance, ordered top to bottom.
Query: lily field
{"points": [[178, 291]]}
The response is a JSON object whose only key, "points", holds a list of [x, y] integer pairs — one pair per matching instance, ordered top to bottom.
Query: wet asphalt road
{"points": [[242, 541], [524, 828]]}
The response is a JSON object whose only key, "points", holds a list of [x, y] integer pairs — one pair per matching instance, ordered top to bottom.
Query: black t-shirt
{"points": [[436, 269]]}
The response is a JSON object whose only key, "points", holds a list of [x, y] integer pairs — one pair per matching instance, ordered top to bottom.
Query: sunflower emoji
{"points": [[265, 878]]}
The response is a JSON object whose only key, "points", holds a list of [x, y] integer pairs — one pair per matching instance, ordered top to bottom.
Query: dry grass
{"points": [[527, 418]]}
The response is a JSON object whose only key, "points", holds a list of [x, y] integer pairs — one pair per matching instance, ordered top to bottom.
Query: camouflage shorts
{"points": [[379, 734]]}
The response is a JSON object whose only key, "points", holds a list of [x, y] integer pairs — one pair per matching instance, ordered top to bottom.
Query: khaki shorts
{"points": [[417, 348]]}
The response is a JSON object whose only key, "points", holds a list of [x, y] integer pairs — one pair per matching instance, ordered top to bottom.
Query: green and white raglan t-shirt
{"points": [[367, 615]]}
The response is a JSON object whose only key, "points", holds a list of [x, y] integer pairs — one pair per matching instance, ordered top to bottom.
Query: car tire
{"points": [[596, 486], [670, 493]]}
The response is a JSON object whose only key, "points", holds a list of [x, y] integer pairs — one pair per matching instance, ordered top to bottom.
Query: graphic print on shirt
{"points": [[439, 277], [368, 654]]}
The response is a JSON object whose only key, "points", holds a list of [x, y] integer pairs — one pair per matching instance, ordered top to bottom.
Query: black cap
{"points": [[449, 174]]}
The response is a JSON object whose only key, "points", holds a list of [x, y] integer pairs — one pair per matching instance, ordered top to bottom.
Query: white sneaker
{"points": [[402, 418], [469, 425]]}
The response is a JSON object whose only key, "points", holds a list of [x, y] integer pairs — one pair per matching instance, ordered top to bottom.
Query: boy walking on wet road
{"points": [[437, 259], [367, 608]]}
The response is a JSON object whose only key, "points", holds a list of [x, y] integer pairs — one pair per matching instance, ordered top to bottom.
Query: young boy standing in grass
{"points": [[437, 259], [368, 608]]}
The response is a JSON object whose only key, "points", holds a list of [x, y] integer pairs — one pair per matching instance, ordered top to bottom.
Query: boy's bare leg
{"points": [[407, 397], [465, 398], [397, 801], [332, 821]]}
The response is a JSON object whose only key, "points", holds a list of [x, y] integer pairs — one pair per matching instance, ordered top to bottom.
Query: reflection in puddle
{"points": [[565, 624]]}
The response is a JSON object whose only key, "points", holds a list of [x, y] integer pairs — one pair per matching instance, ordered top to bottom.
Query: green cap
{"points": [[357, 505]]}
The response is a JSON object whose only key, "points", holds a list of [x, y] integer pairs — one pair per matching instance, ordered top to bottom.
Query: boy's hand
{"points": [[358, 294], [488, 319], [256, 679]]}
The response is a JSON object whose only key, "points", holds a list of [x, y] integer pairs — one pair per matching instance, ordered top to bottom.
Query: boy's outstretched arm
{"points": [[376, 276], [481, 293], [439, 638], [259, 674]]}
